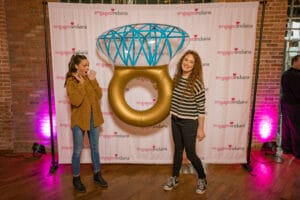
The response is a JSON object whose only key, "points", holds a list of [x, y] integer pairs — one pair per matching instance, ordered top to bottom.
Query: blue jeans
{"points": [[93, 134]]}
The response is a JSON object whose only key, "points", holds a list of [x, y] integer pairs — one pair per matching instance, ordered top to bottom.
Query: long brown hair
{"points": [[75, 60], [197, 72]]}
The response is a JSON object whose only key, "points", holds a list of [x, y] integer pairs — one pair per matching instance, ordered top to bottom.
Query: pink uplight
{"points": [[42, 121], [266, 122], [45, 126], [265, 128]]}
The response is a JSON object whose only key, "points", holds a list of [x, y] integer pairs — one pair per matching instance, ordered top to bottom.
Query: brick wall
{"points": [[25, 27], [25, 31], [271, 64], [270, 67], [6, 116]]}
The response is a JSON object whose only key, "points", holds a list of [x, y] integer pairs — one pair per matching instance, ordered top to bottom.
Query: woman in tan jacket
{"points": [[84, 93]]}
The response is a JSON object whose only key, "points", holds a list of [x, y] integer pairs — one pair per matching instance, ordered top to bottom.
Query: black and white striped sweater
{"points": [[186, 105]]}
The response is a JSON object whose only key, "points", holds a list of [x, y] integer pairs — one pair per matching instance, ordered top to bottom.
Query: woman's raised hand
{"points": [[92, 75], [78, 77]]}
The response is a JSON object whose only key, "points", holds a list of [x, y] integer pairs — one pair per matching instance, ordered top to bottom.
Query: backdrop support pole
{"points": [[54, 164], [247, 166]]}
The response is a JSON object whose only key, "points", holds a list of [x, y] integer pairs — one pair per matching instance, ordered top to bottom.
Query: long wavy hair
{"points": [[75, 60], [197, 72]]}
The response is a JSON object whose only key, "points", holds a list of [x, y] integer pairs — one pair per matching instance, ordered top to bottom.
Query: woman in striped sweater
{"points": [[188, 111]]}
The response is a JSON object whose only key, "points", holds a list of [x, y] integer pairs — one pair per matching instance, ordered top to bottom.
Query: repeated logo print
{"points": [[196, 11], [111, 12], [71, 25], [235, 25], [199, 38], [235, 51], [70, 52], [233, 76], [233, 100], [229, 125], [114, 134], [229, 147], [152, 148], [115, 157]]}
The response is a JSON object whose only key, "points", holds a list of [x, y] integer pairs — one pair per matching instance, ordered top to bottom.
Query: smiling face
{"points": [[187, 65], [83, 67]]}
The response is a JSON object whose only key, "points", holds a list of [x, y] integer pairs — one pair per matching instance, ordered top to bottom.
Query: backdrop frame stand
{"points": [[278, 155], [54, 164], [247, 166]]}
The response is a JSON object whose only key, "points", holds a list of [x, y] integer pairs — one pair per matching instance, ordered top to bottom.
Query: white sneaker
{"points": [[172, 182], [201, 186]]}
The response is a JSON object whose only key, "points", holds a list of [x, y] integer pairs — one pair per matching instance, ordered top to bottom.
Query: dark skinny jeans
{"points": [[184, 135]]}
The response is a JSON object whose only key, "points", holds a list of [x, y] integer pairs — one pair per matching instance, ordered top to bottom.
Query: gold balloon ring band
{"points": [[158, 112]]}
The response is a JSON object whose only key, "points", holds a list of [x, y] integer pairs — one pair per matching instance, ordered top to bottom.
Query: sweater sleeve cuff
{"points": [[94, 83]]}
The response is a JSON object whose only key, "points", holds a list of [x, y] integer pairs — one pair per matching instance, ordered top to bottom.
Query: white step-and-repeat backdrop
{"points": [[224, 36]]}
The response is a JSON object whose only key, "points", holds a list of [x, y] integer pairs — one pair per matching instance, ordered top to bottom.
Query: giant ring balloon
{"points": [[141, 50]]}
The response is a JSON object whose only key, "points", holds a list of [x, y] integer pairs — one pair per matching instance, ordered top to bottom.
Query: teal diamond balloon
{"points": [[143, 44]]}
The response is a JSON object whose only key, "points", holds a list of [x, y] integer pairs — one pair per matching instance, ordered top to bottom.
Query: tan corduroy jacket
{"points": [[84, 98]]}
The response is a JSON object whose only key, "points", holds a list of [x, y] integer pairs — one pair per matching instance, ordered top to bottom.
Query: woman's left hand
{"points": [[92, 75], [200, 134]]}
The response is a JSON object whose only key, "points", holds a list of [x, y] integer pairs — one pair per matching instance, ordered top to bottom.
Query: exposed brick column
{"points": [[25, 27], [6, 116]]}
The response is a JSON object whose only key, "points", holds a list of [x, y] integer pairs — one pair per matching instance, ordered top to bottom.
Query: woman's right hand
{"points": [[78, 77]]}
